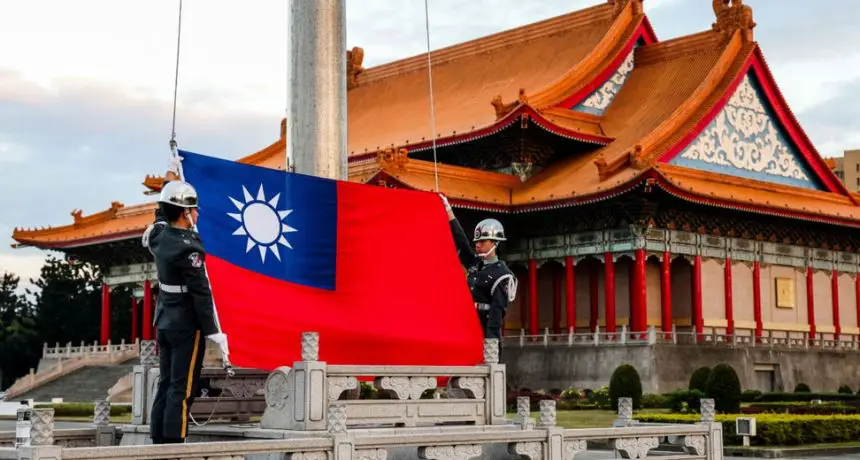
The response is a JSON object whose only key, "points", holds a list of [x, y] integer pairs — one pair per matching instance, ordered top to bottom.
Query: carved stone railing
{"points": [[712, 336], [85, 351], [114, 355], [237, 398], [297, 398], [544, 440]]}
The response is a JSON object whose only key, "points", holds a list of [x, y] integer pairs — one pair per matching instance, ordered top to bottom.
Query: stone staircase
{"points": [[83, 385]]}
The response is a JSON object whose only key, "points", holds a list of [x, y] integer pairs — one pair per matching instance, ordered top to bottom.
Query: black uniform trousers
{"points": [[181, 359]]}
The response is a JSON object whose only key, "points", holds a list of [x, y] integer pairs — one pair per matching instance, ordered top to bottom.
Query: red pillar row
{"points": [[834, 286], [609, 291], [666, 293], [570, 294], [757, 299], [533, 300], [640, 300], [810, 301], [730, 308], [147, 312], [698, 319], [105, 327]]}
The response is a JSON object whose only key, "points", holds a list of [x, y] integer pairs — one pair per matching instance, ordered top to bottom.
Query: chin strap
{"points": [[485, 254]]}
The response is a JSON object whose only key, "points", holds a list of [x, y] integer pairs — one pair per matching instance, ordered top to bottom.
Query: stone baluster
{"points": [[144, 380], [307, 396], [496, 396], [706, 409], [625, 413], [524, 418], [105, 434], [41, 445]]}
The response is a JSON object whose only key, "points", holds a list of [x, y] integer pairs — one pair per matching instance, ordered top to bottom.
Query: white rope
{"points": [[176, 84], [432, 101]]}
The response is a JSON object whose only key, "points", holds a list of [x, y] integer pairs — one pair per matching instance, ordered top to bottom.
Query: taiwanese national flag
{"points": [[373, 270]]}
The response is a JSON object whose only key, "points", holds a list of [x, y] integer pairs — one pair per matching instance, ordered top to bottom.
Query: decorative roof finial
{"points": [[620, 4], [733, 15], [354, 58], [283, 127]]}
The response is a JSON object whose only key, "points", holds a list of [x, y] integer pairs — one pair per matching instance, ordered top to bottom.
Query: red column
{"points": [[834, 285], [609, 291], [666, 293], [570, 294], [593, 298], [757, 299], [857, 299], [533, 300], [556, 301], [640, 302], [810, 302], [730, 307], [133, 319], [632, 320], [146, 321], [699, 321], [105, 330]]}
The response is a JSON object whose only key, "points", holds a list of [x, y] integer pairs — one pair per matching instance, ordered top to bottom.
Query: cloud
{"points": [[834, 123], [26, 264]]}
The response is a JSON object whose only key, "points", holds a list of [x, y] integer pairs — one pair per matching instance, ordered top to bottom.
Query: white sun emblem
{"points": [[261, 222]]}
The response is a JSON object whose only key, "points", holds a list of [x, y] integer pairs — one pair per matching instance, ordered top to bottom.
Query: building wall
{"points": [[851, 169], [591, 367]]}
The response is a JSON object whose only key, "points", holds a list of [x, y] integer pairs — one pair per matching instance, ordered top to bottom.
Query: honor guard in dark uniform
{"points": [[492, 283], [185, 313]]}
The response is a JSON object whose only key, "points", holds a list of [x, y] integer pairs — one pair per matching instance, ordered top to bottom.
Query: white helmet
{"points": [[178, 193], [489, 229]]}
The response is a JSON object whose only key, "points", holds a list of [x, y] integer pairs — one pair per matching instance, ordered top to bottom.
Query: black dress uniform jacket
{"points": [[493, 285], [185, 300]]}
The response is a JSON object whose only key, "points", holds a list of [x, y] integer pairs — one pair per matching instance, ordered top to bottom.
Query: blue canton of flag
{"points": [[279, 224]]}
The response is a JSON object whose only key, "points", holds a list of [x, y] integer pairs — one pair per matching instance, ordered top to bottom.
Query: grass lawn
{"points": [[588, 418]]}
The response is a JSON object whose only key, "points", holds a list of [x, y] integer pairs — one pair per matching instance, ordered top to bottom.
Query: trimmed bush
{"points": [[699, 378], [625, 383], [725, 388], [802, 388], [845, 389], [750, 395], [805, 397], [653, 401], [684, 401], [833, 408], [778, 429]]}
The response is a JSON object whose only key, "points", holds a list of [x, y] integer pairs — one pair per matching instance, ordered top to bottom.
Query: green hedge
{"points": [[789, 397], [82, 409], [778, 429]]}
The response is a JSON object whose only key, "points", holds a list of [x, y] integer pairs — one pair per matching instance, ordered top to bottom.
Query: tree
{"points": [[68, 305], [19, 340], [699, 378], [625, 383], [725, 388], [802, 388]]}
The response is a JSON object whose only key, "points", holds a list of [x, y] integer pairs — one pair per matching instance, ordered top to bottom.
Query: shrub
{"points": [[699, 378], [625, 383], [725, 388], [802, 388], [845, 389], [571, 394], [750, 395], [599, 397], [806, 397], [652, 401], [684, 401], [800, 408], [778, 429]]}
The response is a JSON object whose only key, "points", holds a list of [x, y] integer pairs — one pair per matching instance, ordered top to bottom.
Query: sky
{"points": [[86, 87]]}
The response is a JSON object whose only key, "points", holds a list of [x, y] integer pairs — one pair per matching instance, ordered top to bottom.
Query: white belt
{"points": [[172, 288], [482, 306]]}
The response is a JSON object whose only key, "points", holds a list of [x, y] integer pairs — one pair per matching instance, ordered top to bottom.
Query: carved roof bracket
{"points": [[620, 4], [733, 15], [354, 58], [503, 109], [393, 158], [605, 169]]}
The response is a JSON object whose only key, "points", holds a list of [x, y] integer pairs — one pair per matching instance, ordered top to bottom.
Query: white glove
{"points": [[174, 165], [447, 206], [221, 339]]}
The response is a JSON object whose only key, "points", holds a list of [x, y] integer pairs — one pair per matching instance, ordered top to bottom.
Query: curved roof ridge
{"points": [[487, 43]]}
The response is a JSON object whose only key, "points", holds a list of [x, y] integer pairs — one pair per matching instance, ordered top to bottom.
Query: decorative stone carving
{"points": [[733, 15], [354, 58], [599, 100], [502, 109], [394, 158], [310, 346], [491, 351], [148, 354], [337, 385], [473, 386], [405, 387], [240, 388], [277, 388], [523, 407], [625, 408], [706, 408], [547, 412], [101, 413], [336, 419], [41, 427], [695, 445], [635, 447], [571, 448], [529, 450], [459, 452], [371, 454], [309, 456]]}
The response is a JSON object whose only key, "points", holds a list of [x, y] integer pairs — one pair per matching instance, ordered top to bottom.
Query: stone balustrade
{"points": [[777, 339], [68, 351], [337, 441]]}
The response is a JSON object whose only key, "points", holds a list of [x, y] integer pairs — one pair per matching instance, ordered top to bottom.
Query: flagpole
{"points": [[316, 109]]}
